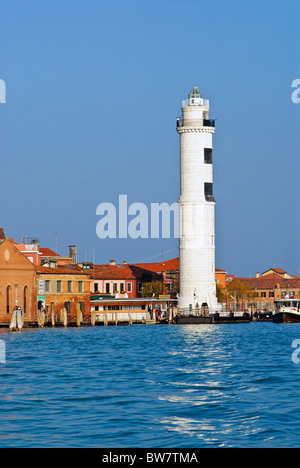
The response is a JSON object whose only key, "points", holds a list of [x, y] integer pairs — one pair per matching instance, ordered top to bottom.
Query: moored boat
{"points": [[287, 311]]}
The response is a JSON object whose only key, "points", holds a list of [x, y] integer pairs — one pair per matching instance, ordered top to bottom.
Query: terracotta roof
{"points": [[48, 253], [168, 265], [63, 270], [276, 270], [120, 272], [271, 281]]}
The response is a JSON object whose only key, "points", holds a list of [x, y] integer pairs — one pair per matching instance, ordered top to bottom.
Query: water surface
{"points": [[151, 386]]}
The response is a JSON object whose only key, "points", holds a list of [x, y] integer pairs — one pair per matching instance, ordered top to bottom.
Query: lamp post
{"points": [[16, 289]]}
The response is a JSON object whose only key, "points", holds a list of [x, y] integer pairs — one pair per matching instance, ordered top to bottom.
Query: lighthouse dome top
{"points": [[195, 93], [195, 99]]}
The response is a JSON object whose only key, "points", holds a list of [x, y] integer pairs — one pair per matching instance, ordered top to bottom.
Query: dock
{"points": [[114, 312], [216, 318]]}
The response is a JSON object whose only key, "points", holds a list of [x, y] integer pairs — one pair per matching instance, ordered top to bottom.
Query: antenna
{"points": [[56, 243]]}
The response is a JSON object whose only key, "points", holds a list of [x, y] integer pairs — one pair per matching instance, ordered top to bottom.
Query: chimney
{"points": [[2, 235], [73, 253], [112, 262], [124, 263], [257, 275]]}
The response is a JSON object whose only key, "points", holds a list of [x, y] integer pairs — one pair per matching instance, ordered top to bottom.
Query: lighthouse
{"points": [[197, 288]]}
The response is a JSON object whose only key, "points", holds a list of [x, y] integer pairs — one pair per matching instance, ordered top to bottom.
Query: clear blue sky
{"points": [[93, 92]]}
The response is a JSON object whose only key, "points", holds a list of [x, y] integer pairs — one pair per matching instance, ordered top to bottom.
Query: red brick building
{"points": [[17, 283]]}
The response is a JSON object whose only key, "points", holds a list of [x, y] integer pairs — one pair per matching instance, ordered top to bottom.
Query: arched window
{"points": [[8, 299], [25, 299]]}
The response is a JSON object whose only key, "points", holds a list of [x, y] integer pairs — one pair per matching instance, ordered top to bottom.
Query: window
{"points": [[208, 155], [208, 191], [47, 286], [58, 286], [69, 286], [80, 286], [115, 287], [129, 287], [140, 287], [168, 287], [107, 288], [122, 288], [96, 289], [271, 293], [263, 294], [8, 297], [25, 300]]}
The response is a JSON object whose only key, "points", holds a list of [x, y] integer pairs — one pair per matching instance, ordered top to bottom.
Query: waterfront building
{"points": [[197, 205], [30, 249], [169, 270], [119, 280], [17, 282], [273, 284], [63, 287]]}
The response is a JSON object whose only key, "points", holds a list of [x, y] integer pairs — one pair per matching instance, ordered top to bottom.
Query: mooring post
{"points": [[78, 315], [65, 317], [52, 318], [93, 318], [20, 319], [13, 321]]}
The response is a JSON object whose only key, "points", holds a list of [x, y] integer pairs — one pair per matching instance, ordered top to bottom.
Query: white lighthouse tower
{"points": [[197, 206]]}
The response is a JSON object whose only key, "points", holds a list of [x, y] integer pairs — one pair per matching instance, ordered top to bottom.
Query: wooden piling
{"points": [[78, 315], [65, 317], [41, 318], [53, 318], [93, 318], [20, 319], [13, 321], [16, 322]]}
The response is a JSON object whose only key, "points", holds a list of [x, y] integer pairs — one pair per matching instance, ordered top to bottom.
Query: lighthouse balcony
{"points": [[193, 123]]}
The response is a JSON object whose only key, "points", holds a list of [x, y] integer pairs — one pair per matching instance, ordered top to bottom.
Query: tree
{"points": [[153, 289], [238, 292], [221, 293]]}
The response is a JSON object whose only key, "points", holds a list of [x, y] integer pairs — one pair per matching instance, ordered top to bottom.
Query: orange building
{"points": [[169, 270], [17, 283], [273, 284], [63, 287]]}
